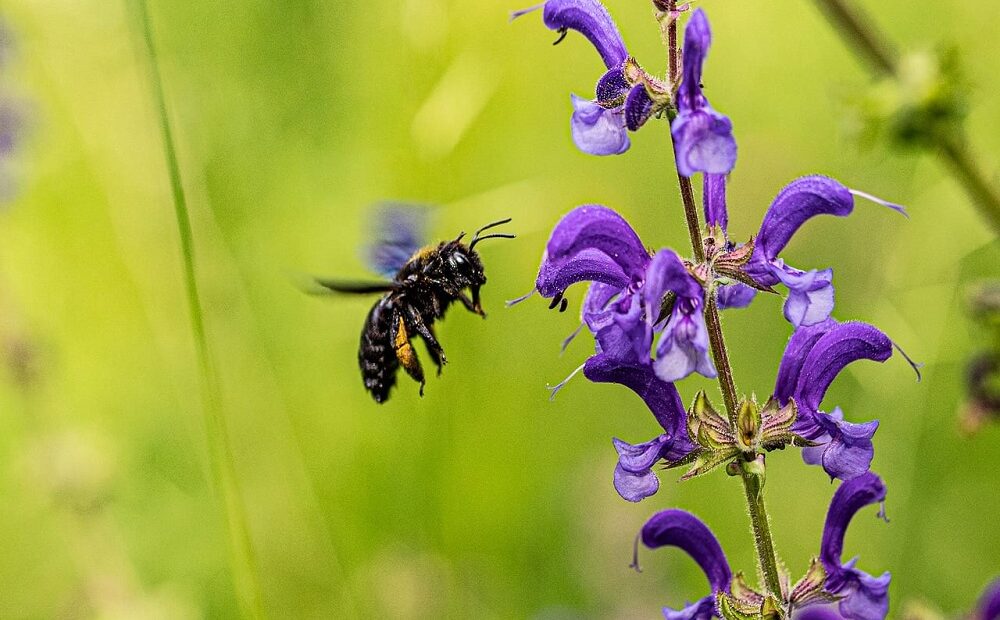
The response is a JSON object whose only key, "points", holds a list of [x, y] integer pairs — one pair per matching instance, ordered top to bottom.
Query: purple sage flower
{"points": [[600, 126], [703, 138], [810, 293], [622, 308], [813, 358], [677, 528], [863, 597]]}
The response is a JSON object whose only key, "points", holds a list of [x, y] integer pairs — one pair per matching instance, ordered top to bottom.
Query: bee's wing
{"points": [[398, 231], [356, 287]]}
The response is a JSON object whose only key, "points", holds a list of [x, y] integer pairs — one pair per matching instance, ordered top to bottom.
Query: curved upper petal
{"points": [[592, 20], [697, 40], [597, 130], [799, 200], [592, 243], [842, 344], [799, 345], [661, 397], [850, 497], [677, 528]]}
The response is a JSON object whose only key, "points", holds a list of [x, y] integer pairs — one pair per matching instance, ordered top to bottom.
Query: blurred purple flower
{"points": [[703, 138], [813, 358], [677, 528], [863, 597], [988, 607]]}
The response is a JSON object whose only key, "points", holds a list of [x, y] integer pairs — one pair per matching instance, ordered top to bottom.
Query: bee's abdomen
{"points": [[376, 356]]}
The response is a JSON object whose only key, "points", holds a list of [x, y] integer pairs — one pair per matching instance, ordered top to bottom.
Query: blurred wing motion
{"points": [[398, 231], [356, 287]]}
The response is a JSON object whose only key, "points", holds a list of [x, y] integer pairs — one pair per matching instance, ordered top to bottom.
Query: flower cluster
{"points": [[654, 318], [858, 595]]}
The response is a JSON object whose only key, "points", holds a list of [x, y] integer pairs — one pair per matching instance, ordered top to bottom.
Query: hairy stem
{"points": [[864, 38], [751, 484], [242, 557]]}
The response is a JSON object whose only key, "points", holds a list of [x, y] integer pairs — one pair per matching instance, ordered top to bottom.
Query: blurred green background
{"points": [[481, 499]]}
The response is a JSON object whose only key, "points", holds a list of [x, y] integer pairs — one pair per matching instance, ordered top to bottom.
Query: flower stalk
{"points": [[870, 44], [752, 484], [243, 559]]}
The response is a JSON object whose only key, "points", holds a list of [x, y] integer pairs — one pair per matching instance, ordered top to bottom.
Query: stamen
{"points": [[515, 14], [562, 35], [876, 200], [514, 302], [563, 305], [569, 339], [915, 365], [554, 389], [881, 512], [635, 554]]}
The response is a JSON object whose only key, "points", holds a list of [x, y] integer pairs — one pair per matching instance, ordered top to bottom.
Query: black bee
{"points": [[425, 282]]}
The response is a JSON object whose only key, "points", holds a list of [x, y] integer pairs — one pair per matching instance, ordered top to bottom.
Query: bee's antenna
{"points": [[494, 236], [476, 238]]}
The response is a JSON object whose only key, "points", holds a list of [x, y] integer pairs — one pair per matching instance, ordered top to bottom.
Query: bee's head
{"points": [[463, 266]]}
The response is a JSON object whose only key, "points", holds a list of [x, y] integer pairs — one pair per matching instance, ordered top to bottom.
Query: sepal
{"points": [[811, 589]]}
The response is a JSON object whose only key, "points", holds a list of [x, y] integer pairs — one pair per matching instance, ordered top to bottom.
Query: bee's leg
{"points": [[471, 305], [416, 322], [405, 353], [436, 355]]}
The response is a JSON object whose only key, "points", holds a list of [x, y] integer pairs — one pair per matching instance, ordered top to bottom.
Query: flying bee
{"points": [[425, 282]]}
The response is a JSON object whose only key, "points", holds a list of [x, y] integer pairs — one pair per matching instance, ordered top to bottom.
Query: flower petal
{"points": [[592, 20], [697, 40], [612, 87], [638, 107], [597, 130], [703, 142], [799, 200], [714, 201], [591, 243], [666, 272], [810, 294], [736, 295], [842, 344], [799, 345], [683, 346], [661, 397], [849, 451], [635, 486], [677, 528], [865, 597]]}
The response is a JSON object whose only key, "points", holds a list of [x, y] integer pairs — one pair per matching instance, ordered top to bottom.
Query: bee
{"points": [[425, 282]]}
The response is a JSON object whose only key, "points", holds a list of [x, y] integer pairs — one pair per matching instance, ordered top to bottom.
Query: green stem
{"points": [[864, 38], [752, 487], [242, 556]]}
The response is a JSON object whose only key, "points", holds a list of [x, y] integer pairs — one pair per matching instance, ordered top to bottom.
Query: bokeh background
{"points": [[482, 499]]}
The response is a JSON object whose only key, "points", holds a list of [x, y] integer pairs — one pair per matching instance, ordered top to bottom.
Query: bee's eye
{"points": [[458, 259]]}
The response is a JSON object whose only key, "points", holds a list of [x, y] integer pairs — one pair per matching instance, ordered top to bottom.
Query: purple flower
{"points": [[600, 127], [703, 138], [593, 243], [810, 293], [622, 309], [813, 358], [634, 478], [677, 528], [864, 597], [988, 607]]}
